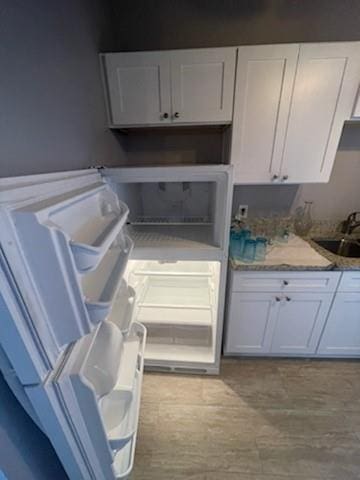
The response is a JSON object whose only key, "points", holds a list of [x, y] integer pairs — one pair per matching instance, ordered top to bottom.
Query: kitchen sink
{"points": [[344, 248]]}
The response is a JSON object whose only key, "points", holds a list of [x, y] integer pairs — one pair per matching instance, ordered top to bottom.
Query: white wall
{"points": [[52, 114]]}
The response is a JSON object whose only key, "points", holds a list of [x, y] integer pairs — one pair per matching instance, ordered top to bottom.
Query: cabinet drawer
{"points": [[285, 281], [350, 282]]}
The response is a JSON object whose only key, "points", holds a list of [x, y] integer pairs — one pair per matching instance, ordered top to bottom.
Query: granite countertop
{"points": [[334, 262]]}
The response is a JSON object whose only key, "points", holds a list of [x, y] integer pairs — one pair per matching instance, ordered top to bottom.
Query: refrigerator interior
{"points": [[173, 214], [177, 302]]}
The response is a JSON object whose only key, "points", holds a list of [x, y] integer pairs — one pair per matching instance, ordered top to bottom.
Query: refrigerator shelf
{"points": [[171, 220], [172, 236], [101, 285], [175, 315], [162, 353]]}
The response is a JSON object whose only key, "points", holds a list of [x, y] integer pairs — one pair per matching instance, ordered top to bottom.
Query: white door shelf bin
{"points": [[90, 219], [64, 242], [101, 285], [103, 376]]}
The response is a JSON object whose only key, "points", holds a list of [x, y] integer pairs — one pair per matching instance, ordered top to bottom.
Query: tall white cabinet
{"points": [[264, 80], [171, 87], [290, 105]]}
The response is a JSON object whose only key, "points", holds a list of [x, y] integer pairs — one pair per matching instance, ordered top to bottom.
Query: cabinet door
{"points": [[264, 80], [326, 82], [202, 83], [138, 87], [250, 322], [299, 323], [341, 335]]}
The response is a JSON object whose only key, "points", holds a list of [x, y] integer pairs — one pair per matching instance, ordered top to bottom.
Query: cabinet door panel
{"points": [[264, 79], [326, 81], [202, 84], [138, 87], [300, 322], [250, 323], [341, 335]]}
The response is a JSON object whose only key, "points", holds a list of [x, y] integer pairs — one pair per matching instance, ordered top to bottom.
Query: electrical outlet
{"points": [[242, 212]]}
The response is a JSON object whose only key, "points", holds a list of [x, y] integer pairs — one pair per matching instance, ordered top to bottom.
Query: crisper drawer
{"points": [[285, 281], [350, 282]]}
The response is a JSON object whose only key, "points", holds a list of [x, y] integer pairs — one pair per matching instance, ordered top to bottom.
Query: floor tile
{"points": [[261, 419]]}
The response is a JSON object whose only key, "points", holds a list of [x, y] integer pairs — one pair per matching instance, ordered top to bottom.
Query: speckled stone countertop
{"points": [[336, 262]]}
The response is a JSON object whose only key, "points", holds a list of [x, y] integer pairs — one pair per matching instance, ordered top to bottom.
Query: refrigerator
{"points": [[102, 272]]}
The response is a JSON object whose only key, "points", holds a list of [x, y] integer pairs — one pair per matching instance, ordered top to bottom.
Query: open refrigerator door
{"points": [[64, 252]]}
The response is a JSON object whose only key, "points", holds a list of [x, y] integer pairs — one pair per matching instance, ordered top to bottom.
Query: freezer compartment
{"points": [[174, 214], [178, 304]]}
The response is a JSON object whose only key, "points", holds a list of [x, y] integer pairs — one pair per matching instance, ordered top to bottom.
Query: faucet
{"points": [[349, 225]]}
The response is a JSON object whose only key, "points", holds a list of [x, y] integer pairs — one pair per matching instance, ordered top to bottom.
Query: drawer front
{"points": [[285, 281], [350, 282]]}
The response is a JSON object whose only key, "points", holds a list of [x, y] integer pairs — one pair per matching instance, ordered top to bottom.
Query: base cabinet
{"points": [[300, 320], [251, 321], [263, 323], [341, 336]]}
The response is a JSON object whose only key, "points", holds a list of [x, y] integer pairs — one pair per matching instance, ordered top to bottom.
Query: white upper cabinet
{"points": [[264, 80], [202, 83], [326, 83], [138, 87], [170, 87], [291, 102]]}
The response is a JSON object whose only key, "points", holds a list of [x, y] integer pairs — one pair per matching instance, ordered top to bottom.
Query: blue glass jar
{"points": [[236, 244], [260, 249], [248, 255]]}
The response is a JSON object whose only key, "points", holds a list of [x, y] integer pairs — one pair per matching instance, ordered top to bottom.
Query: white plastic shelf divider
{"points": [[101, 285], [122, 310]]}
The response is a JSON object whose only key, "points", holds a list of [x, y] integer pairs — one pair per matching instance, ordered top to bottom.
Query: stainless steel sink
{"points": [[344, 248]]}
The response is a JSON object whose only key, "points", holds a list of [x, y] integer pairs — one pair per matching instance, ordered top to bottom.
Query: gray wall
{"points": [[164, 24], [52, 114], [25, 452]]}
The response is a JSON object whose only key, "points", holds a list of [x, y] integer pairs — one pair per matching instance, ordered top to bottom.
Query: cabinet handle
{"points": [[165, 115], [176, 115], [274, 178], [284, 178], [285, 283], [277, 299], [288, 299]]}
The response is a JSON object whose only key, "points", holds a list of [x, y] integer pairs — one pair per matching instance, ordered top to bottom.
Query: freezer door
{"points": [[63, 255]]}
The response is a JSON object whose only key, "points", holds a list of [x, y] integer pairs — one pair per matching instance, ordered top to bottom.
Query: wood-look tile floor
{"points": [[259, 420]]}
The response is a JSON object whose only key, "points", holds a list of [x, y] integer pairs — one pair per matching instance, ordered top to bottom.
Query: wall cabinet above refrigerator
{"points": [[170, 87], [291, 102]]}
